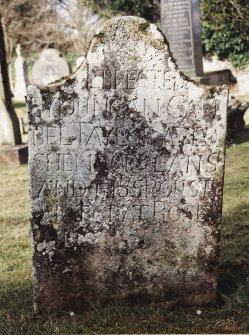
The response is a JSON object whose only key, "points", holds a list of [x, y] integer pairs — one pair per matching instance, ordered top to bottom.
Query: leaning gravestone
{"points": [[180, 20], [49, 67], [6, 130], [12, 151], [126, 176]]}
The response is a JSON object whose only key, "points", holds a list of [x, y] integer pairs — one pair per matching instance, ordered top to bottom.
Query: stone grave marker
{"points": [[180, 20], [49, 67], [21, 76], [6, 131], [12, 151], [126, 177]]}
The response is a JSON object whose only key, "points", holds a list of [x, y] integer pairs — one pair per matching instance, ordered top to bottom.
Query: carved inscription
{"points": [[85, 141]]}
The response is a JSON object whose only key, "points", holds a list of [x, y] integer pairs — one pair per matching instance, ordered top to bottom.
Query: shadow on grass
{"points": [[241, 137], [233, 283], [16, 296], [15, 306], [16, 316]]}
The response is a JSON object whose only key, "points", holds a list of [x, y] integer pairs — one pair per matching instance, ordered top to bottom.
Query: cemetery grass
{"points": [[230, 315]]}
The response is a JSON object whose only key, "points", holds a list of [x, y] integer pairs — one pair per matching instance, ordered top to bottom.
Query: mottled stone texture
{"points": [[126, 174]]}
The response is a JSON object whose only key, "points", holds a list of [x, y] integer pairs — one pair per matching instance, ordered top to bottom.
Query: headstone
{"points": [[180, 20], [49, 67], [21, 76], [6, 131], [12, 151], [126, 177]]}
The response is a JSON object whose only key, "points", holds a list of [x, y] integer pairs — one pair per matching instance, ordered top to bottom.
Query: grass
{"points": [[18, 104], [231, 315]]}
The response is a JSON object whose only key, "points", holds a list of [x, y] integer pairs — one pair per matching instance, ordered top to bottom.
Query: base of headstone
{"points": [[222, 77], [16, 155], [67, 294]]}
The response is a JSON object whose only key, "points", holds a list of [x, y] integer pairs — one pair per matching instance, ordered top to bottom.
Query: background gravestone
{"points": [[180, 20], [49, 67], [21, 76], [6, 130], [12, 151], [126, 177]]}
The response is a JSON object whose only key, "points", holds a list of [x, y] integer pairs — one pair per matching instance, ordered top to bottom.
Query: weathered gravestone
{"points": [[180, 20], [49, 67], [21, 76], [126, 176]]}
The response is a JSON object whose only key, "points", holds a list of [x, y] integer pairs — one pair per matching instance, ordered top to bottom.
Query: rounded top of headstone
{"points": [[120, 30], [127, 41], [50, 54], [49, 67]]}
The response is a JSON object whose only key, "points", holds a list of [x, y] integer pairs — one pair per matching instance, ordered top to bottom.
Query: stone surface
{"points": [[180, 20], [214, 64], [49, 67], [21, 76], [222, 77], [241, 88], [246, 117], [9, 125], [6, 129], [12, 152], [14, 155], [126, 174]]}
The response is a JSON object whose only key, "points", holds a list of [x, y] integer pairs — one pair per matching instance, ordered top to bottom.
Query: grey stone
{"points": [[180, 20], [49, 67], [21, 76], [8, 117], [6, 129], [11, 153], [126, 177]]}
